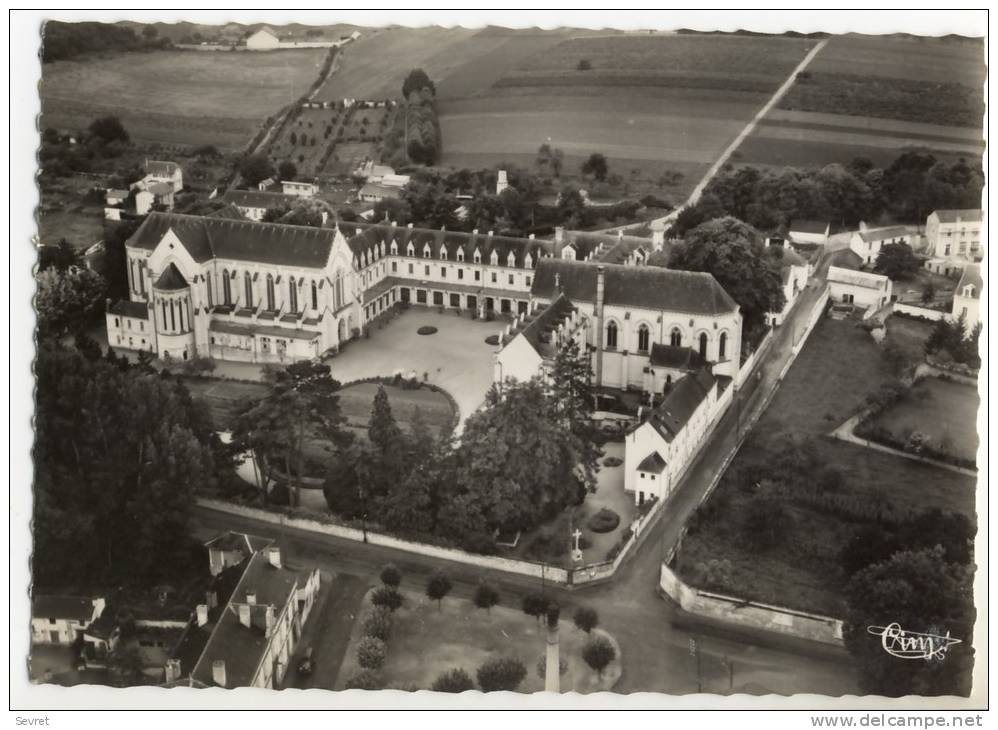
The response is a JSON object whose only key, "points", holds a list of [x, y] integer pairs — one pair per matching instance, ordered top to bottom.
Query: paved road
{"points": [[735, 143], [654, 637]]}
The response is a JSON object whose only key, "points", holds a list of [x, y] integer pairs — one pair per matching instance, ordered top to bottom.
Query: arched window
{"points": [[131, 270], [248, 286], [226, 288], [270, 292], [292, 295], [315, 295], [211, 298], [164, 314], [173, 317], [611, 335], [643, 337], [675, 337], [703, 345], [722, 346]]}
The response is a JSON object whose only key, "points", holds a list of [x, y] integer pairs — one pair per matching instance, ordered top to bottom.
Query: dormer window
{"points": [[382, 249], [395, 249], [410, 251], [426, 251], [443, 253], [460, 255], [478, 256], [494, 259], [511, 260], [528, 262], [968, 291]]}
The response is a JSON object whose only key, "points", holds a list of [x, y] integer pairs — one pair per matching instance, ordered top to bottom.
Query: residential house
{"points": [[264, 39], [163, 171], [299, 189], [254, 203], [809, 231], [954, 238], [867, 242], [794, 273], [859, 288], [967, 297], [62, 619]]}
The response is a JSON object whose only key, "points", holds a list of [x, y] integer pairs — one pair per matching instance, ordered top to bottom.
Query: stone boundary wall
{"points": [[931, 314], [749, 614]]}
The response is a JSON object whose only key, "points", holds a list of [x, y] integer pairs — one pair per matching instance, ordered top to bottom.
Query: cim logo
{"points": [[912, 644]]}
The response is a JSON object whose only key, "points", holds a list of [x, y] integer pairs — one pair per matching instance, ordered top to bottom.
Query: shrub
{"points": [[492, 340], [612, 461], [606, 520], [547, 546], [391, 576], [438, 587], [486, 596], [387, 597], [535, 604], [586, 618], [378, 623], [371, 653], [598, 653], [502, 674], [365, 679], [453, 680]]}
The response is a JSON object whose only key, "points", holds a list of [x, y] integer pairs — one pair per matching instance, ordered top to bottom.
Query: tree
{"points": [[150, 32], [417, 81], [108, 129], [596, 166], [256, 168], [287, 170], [733, 253], [61, 256], [897, 261], [928, 293], [68, 300], [574, 400], [382, 430], [119, 454], [391, 576], [438, 587], [920, 592], [486, 596], [387, 597], [535, 605], [586, 618], [378, 623], [598, 652], [371, 653], [125, 666], [502, 674], [454, 681]]}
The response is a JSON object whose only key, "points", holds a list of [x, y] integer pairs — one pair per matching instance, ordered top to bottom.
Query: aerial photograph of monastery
{"points": [[448, 359]]}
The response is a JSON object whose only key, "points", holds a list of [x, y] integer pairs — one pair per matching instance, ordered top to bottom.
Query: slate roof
{"points": [[161, 189], [381, 190], [258, 199], [230, 212], [967, 214], [808, 226], [881, 234], [368, 238], [265, 243], [616, 248], [971, 276], [857, 278], [171, 279], [642, 287], [127, 308], [234, 328], [537, 331], [678, 358], [680, 403], [652, 464], [231, 541], [74, 608], [239, 646]]}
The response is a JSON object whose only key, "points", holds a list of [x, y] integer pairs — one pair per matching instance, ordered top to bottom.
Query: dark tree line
{"points": [[61, 41], [910, 188]]}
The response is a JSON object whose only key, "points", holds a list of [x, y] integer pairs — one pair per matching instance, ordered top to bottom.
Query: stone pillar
{"points": [[552, 663]]}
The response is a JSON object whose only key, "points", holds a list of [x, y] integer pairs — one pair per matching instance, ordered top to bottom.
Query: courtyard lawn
{"points": [[455, 358], [838, 367], [945, 411], [427, 640]]}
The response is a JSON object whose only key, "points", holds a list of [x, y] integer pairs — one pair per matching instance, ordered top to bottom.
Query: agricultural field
{"points": [[872, 96], [178, 97], [829, 382]]}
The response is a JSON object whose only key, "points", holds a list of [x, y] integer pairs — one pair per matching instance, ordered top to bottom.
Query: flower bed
{"points": [[426, 330]]}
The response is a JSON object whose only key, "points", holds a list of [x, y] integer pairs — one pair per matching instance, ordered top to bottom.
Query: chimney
{"points": [[394, 224], [862, 225], [409, 226], [474, 232], [491, 233], [559, 234], [620, 235], [531, 236], [600, 288], [274, 556], [251, 598], [202, 610], [244, 614], [271, 620], [172, 670], [218, 672]]}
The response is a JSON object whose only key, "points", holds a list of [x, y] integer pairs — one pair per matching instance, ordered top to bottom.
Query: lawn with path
{"points": [[428, 639]]}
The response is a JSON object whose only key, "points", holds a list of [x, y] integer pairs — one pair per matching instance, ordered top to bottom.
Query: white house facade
{"points": [[955, 235], [867, 242], [859, 288], [967, 297], [62, 620]]}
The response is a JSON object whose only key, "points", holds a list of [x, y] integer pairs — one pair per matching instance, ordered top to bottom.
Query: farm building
{"points": [[266, 39], [263, 40], [162, 171], [299, 189], [375, 192], [254, 203], [808, 231], [955, 235], [867, 242], [794, 273], [859, 288], [967, 297], [62, 619]]}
